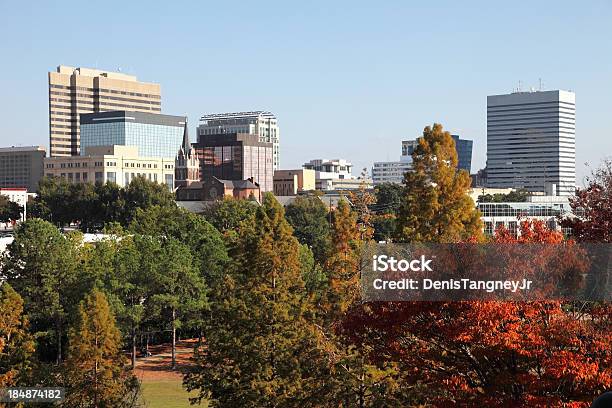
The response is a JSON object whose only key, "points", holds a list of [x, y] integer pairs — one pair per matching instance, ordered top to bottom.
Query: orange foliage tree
{"points": [[492, 353]]}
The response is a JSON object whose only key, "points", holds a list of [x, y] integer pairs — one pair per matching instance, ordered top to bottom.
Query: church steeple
{"points": [[186, 145], [186, 163]]}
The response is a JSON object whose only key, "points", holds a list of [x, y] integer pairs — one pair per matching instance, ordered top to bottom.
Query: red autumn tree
{"points": [[593, 206], [489, 353]]}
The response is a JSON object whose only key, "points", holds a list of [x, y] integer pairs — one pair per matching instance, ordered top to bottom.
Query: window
{"points": [[111, 176], [99, 177], [169, 180]]}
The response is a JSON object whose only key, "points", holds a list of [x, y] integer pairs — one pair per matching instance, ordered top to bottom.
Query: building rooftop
{"points": [[92, 72], [236, 115], [132, 116], [22, 149], [242, 184]]}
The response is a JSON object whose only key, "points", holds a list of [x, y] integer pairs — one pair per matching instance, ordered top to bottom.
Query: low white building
{"points": [[333, 174], [19, 196], [543, 208]]}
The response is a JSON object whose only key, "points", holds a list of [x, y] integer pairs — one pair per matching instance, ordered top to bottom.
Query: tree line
{"points": [[273, 296]]}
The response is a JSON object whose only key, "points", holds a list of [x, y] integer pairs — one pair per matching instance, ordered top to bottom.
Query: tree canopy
{"points": [[435, 206]]}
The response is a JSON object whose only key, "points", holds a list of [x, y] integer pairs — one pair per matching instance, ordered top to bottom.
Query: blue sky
{"points": [[347, 79]]}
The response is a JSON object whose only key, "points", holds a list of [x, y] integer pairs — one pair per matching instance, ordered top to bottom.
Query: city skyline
{"points": [[352, 89]]}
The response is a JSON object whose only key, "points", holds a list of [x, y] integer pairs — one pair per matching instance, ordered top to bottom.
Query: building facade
{"points": [[73, 91], [260, 123], [154, 134], [531, 141], [462, 146], [464, 153], [235, 156], [186, 163], [116, 164], [21, 167], [336, 168], [390, 172], [333, 174], [292, 182], [19, 196], [509, 215]]}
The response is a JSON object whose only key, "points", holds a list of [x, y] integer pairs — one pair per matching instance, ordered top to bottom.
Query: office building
{"points": [[73, 91], [260, 123], [154, 134], [531, 141], [462, 146], [408, 147], [464, 153], [235, 156], [116, 164], [21, 167], [393, 171], [390, 172], [480, 178], [292, 182], [343, 184]]}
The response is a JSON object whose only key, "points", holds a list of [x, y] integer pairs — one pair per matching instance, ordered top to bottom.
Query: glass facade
{"points": [[160, 140], [464, 153], [228, 157], [521, 209]]}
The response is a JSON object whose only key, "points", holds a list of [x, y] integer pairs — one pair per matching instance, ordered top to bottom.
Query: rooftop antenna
{"points": [[540, 83], [519, 86]]}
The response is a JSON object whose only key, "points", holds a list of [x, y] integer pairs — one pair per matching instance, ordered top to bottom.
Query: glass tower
{"points": [[155, 135]]}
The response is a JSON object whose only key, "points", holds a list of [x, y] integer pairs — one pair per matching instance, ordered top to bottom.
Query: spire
{"points": [[186, 145]]}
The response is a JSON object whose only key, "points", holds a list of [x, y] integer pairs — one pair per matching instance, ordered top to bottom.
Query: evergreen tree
{"points": [[143, 193], [435, 206], [229, 214], [309, 218], [204, 241], [41, 265], [126, 283], [178, 290], [16, 344], [260, 348], [95, 371]]}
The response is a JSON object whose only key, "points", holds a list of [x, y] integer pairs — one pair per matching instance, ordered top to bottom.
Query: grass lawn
{"points": [[166, 394]]}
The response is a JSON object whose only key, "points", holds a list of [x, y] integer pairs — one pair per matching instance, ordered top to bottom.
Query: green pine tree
{"points": [[41, 265], [260, 349]]}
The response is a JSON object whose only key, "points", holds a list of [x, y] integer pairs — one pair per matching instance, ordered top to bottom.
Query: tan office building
{"points": [[73, 91], [117, 164], [291, 182]]}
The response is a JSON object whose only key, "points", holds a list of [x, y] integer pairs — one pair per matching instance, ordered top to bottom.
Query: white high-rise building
{"points": [[260, 123], [531, 141]]}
